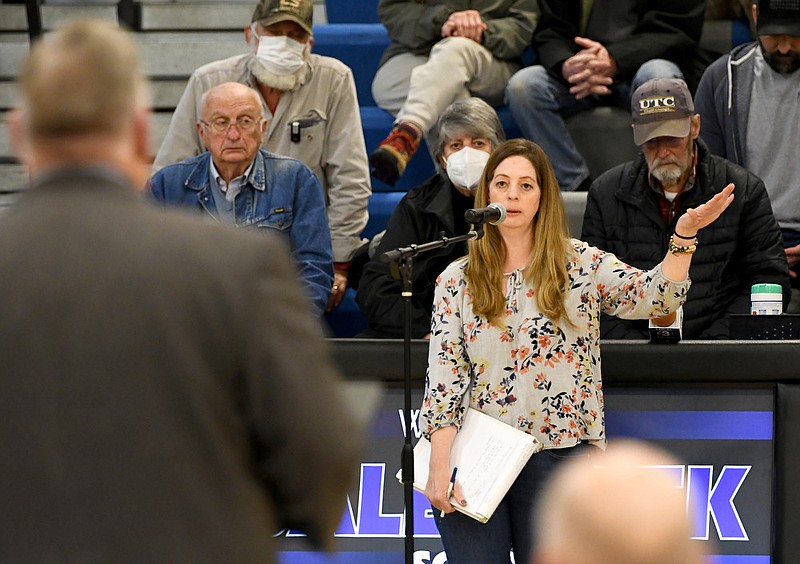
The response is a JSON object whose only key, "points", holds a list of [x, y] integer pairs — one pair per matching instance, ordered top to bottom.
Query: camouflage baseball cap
{"points": [[268, 12]]}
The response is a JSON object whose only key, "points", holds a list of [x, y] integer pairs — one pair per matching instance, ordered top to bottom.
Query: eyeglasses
{"points": [[244, 124]]}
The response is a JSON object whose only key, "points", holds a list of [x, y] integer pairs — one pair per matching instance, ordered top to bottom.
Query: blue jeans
{"points": [[539, 103], [466, 541]]}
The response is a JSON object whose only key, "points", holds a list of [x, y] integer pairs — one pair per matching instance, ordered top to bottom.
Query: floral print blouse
{"points": [[541, 378]]}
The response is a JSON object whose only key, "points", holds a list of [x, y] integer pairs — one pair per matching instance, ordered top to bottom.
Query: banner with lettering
{"points": [[723, 438]]}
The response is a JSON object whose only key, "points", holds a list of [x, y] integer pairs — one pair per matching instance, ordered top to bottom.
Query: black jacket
{"points": [[653, 29], [421, 216], [742, 247], [166, 396]]}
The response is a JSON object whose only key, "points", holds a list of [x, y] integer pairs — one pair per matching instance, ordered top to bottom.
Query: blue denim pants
{"points": [[539, 103], [467, 541]]}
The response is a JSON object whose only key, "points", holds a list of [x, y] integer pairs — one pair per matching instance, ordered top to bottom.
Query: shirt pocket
{"points": [[307, 139], [279, 219]]}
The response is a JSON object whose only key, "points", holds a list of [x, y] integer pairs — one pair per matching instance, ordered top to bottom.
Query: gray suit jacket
{"points": [[164, 396]]}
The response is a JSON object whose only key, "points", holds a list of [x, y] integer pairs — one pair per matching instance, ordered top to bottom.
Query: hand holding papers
{"points": [[488, 454], [450, 487]]}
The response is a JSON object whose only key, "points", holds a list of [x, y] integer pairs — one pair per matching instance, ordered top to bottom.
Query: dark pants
{"points": [[792, 239], [467, 541]]}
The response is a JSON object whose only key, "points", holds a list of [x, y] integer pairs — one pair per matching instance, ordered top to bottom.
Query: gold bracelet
{"points": [[681, 250]]}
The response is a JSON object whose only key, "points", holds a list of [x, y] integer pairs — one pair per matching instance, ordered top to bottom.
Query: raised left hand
{"points": [[694, 219]]}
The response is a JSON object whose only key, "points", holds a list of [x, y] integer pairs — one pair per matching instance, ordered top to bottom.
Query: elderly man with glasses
{"points": [[312, 113], [235, 182]]}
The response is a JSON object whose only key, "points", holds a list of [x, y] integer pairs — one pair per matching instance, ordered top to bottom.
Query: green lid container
{"points": [[766, 289]]}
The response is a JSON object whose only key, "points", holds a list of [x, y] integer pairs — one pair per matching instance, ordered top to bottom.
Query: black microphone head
{"points": [[502, 209], [493, 213], [473, 216]]}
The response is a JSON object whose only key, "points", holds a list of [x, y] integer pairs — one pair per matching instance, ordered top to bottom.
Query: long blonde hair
{"points": [[546, 269]]}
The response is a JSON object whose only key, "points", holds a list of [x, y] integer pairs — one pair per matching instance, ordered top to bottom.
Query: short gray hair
{"points": [[83, 78], [228, 90], [470, 117]]}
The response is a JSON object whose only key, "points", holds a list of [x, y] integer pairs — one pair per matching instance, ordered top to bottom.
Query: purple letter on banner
{"points": [[717, 502], [371, 519]]}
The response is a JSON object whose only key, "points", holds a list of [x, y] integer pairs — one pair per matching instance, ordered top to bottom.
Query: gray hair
{"points": [[82, 78], [226, 91], [471, 117]]}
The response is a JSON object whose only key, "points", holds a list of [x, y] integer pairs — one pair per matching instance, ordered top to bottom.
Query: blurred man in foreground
{"points": [[161, 387], [619, 506]]}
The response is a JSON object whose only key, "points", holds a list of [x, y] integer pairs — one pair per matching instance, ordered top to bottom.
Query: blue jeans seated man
{"points": [[598, 52]]}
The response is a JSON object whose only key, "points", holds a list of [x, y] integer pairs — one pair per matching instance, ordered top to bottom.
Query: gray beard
{"points": [[285, 82], [669, 170], [668, 175]]}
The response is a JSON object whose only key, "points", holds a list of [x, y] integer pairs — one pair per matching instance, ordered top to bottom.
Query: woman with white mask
{"points": [[464, 136]]}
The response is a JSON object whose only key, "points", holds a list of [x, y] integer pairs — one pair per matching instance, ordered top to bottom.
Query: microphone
{"points": [[494, 214]]}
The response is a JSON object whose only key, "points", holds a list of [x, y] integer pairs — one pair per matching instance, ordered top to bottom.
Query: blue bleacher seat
{"points": [[352, 11], [740, 33], [359, 46], [510, 127], [381, 206], [347, 319]]}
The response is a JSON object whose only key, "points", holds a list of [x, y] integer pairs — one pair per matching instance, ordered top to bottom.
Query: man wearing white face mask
{"points": [[279, 58], [310, 104], [464, 136]]}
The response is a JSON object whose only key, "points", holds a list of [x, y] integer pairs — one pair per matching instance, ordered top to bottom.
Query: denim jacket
{"points": [[332, 145], [280, 194]]}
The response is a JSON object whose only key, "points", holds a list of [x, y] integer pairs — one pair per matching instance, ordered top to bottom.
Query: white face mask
{"points": [[279, 54], [464, 167]]}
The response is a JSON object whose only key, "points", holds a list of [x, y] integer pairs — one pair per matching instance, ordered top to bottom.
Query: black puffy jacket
{"points": [[423, 215], [741, 248]]}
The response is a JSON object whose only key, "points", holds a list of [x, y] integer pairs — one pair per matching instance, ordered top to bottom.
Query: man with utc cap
{"points": [[749, 103], [312, 113], [631, 212]]}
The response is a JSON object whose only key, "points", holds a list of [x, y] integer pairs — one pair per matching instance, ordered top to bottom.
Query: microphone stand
{"points": [[404, 258]]}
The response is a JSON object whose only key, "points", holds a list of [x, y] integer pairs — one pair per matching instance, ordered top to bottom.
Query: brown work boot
{"points": [[389, 160]]}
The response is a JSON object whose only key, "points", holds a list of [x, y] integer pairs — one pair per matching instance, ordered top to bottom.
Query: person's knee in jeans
{"points": [[655, 68], [529, 88]]}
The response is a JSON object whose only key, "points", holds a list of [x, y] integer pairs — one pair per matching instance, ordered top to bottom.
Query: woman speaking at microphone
{"points": [[516, 335]]}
